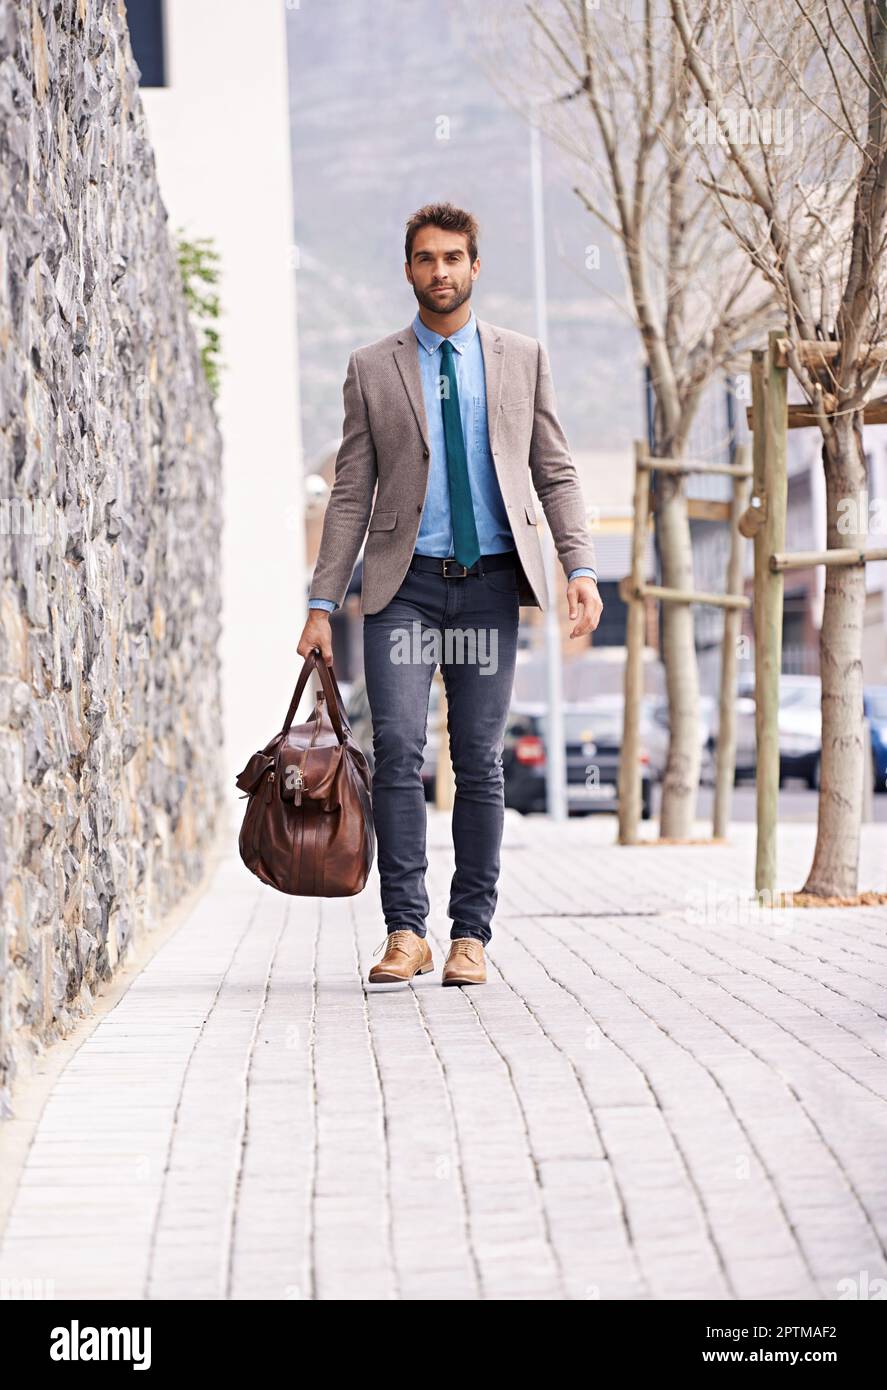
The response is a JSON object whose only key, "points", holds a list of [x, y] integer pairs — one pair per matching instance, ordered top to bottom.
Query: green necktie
{"points": [[465, 543]]}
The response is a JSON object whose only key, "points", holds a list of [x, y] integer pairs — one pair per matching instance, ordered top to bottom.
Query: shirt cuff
{"points": [[574, 574], [327, 604]]}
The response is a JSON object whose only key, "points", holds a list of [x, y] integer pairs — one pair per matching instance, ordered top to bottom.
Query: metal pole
{"points": [[555, 752]]}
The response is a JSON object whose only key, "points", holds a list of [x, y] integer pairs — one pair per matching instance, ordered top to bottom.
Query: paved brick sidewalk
{"points": [[661, 1093]]}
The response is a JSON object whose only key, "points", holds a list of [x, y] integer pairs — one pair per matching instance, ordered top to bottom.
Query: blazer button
{"points": [[424, 453], [419, 510]]}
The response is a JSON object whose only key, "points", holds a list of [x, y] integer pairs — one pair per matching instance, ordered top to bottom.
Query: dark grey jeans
{"points": [[469, 627]]}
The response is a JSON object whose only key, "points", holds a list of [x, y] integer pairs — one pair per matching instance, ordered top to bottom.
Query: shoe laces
{"points": [[396, 940], [465, 945]]}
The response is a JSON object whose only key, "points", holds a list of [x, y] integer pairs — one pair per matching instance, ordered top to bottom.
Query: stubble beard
{"points": [[429, 302]]}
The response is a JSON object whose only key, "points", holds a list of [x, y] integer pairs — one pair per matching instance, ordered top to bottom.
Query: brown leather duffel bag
{"points": [[308, 826]]}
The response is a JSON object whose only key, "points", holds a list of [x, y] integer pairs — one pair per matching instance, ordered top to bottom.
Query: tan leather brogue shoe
{"points": [[406, 954], [466, 963]]}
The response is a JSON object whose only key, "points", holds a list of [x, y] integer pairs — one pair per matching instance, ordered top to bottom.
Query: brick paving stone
{"points": [[661, 1093]]}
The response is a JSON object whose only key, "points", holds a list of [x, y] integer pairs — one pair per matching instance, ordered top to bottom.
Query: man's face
{"points": [[439, 271]]}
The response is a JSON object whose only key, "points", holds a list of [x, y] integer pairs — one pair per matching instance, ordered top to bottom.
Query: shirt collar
{"points": [[431, 341]]}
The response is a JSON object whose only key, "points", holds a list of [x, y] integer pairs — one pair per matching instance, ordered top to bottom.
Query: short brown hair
{"points": [[449, 219]]}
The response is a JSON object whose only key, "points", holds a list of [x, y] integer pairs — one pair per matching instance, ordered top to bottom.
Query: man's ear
{"points": [[475, 269], [407, 272]]}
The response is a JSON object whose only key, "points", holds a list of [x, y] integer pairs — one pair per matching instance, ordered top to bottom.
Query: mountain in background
{"points": [[369, 86]]}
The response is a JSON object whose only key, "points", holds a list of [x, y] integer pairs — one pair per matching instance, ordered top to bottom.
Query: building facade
{"points": [[218, 115]]}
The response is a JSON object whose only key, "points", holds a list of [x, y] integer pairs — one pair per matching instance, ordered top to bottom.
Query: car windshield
{"points": [[878, 705]]}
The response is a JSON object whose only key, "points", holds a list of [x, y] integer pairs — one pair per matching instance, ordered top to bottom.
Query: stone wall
{"points": [[110, 516]]}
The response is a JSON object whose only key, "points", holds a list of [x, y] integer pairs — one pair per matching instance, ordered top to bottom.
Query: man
{"points": [[448, 422]]}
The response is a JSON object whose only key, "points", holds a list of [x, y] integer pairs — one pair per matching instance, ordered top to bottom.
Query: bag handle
{"points": [[335, 703]]}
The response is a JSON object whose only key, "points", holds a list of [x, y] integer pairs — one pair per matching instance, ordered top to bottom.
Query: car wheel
{"points": [[813, 777]]}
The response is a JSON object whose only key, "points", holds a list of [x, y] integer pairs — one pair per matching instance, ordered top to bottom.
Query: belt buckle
{"points": [[451, 559]]}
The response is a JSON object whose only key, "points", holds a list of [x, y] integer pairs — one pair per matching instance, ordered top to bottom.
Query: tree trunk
{"points": [[679, 787], [835, 868]]}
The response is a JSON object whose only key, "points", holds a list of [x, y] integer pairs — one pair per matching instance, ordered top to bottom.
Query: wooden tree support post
{"points": [[770, 417], [770, 481], [806, 559], [635, 591], [684, 595], [630, 756], [725, 764]]}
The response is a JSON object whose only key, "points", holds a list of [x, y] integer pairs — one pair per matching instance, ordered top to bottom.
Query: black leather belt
{"points": [[450, 568]]}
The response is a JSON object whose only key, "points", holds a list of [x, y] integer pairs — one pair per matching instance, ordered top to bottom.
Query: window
{"points": [[146, 34]]}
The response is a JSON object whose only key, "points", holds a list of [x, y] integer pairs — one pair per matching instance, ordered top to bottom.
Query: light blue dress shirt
{"points": [[435, 536]]}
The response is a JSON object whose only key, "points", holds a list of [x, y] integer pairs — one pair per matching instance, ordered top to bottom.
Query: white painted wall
{"points": [[221, 135]]}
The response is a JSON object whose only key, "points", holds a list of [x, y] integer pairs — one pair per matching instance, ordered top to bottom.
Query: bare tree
{"points": [[610, 86], [811, 215]]}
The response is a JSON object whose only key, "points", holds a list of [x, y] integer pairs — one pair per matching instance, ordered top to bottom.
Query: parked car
{"points": [[875, 706], [358, 710], [608, 711], [800, 728], [656, 734], [746, 736], [593, 743]]}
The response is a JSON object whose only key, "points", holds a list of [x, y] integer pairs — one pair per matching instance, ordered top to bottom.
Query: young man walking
{"points": [[447, 423]]}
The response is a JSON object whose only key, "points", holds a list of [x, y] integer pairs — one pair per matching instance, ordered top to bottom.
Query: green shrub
{"points": [[199, 266]]}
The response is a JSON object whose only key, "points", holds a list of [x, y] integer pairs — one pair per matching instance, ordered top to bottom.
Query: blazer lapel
{"points": [[493, 350], [406, 355]]}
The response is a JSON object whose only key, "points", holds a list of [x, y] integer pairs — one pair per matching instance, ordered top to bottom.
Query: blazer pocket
{"points": [[515, 405], [531, 515], [383, 521]]}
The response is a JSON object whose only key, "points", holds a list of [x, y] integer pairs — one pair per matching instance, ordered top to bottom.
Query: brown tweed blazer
{"points": [[385, 451]]}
